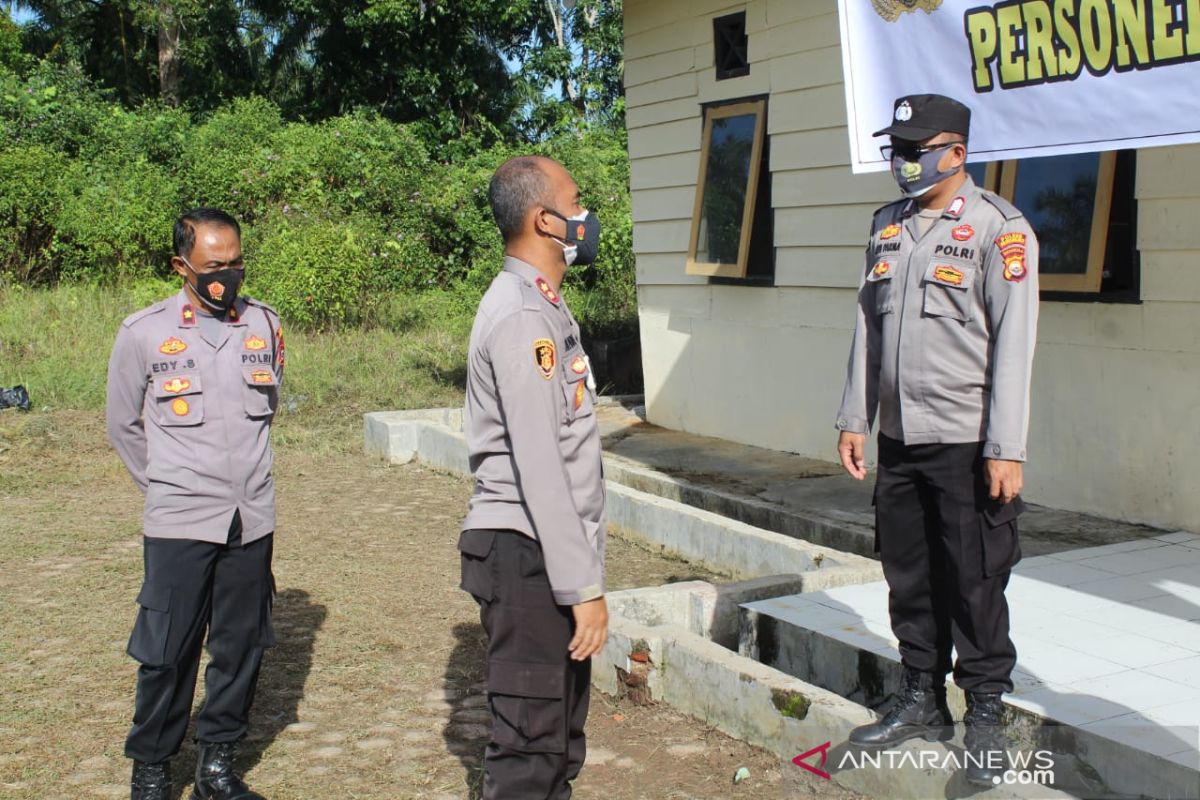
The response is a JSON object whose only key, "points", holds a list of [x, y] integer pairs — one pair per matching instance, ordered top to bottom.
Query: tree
{"points": [[576, 46]]}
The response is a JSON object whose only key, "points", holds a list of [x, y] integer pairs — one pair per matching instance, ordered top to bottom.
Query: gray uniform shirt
{"points": [[947, 322], [191, 417], [531, 429]]}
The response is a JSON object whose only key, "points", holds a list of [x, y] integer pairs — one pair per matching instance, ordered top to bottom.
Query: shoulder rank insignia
{"points": [[955, 209], [547, 290], [187, 315], [255, 343], [172, 346], [544, 357]]}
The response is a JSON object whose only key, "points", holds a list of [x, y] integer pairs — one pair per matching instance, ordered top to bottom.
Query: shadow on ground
{"points": [[468, 729]]}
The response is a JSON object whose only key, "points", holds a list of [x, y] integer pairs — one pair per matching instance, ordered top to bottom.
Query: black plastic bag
{"points": [[15, 397]]}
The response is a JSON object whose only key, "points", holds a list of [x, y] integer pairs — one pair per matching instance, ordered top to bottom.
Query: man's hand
{"points": [[851, 447], [1005, 479], [591, 629]]}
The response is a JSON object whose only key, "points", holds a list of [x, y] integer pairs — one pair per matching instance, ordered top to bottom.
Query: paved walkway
{"points": [[1105, 614], [1108, 638]]}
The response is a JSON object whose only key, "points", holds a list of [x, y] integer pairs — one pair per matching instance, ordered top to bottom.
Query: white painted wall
{"points": [[1115, 428]]}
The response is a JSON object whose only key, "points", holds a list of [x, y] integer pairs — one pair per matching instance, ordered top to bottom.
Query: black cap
{"points": [[919, 116]]}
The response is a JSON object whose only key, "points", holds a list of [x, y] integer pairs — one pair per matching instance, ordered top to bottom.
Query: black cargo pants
{"points": [[947, 550], [193, 587], [538, 695]]}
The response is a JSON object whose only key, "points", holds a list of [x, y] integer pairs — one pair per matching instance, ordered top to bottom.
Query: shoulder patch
{"points": [[1003, 206], [138, 316], [545, 357]]}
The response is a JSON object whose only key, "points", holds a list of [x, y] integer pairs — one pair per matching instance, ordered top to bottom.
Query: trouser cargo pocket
{"points": [[1001, 544], [477, 568], [148, 642], [528, 706]]}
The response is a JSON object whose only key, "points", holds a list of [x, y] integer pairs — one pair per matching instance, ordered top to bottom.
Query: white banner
{"points": [[1042, 77]]}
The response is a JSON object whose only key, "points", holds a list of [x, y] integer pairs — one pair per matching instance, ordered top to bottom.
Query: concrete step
{"points": [[839, 640]]}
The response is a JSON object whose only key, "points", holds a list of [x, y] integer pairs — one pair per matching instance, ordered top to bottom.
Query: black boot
{"points": [[920, 710], [986, 757], [215, 778], [150, 781]]}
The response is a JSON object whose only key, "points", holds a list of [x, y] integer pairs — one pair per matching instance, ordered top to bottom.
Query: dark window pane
{"points": [[726, 181], [1058, 195]]}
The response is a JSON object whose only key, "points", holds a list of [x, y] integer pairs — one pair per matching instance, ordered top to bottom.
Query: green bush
{"points": [[35, 186], [335, 215], [117, 221], [315, 271]]}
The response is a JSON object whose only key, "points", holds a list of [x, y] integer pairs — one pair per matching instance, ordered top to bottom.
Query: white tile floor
{"points": [[1108, 638]]}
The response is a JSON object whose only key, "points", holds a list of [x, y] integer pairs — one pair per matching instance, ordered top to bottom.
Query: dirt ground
{"points": [[374, 690]]}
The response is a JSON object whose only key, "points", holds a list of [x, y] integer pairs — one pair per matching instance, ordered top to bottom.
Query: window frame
{"points": [[758, 107], [1001, 178], [1087, 282]]}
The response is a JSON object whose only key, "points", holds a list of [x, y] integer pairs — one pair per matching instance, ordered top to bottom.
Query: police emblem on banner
{"points": [[891, 10]]}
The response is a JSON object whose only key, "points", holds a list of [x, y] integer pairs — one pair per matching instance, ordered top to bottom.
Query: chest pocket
{"points": [[880, 281], [948, 289], [260, 392], [179, 399], [579, 399]]}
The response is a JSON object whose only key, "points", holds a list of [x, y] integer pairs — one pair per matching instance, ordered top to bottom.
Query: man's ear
{"points": [[178, 267]]}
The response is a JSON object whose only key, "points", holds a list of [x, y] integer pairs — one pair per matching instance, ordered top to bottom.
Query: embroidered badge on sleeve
{"points": [[545, 357]]}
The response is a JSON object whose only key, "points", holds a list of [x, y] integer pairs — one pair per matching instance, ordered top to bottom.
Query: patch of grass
{"points": [[790, 704]]}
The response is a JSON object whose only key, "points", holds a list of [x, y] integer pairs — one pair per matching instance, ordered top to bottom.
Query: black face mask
{"points": [[582, 243], [217, 290]]}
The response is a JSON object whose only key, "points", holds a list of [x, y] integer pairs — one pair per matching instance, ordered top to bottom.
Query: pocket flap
{"points": [[882, 271], [951, 275], [259, 376], [176, 385], [998, 514], [476, 543], [155, 596], [526, 680]]}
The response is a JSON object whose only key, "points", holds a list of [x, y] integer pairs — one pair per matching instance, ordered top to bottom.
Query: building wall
{"points": [[1113, 429]]}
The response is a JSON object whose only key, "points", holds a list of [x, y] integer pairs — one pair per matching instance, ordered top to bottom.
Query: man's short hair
{"points": [[519, 185], [184, 237]]}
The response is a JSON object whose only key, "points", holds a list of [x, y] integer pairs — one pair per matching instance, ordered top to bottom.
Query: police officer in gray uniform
{"points": [[943, 346], [193, 384], [533, 540]]}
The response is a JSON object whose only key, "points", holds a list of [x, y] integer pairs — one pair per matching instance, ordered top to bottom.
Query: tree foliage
{"points": [[490, 69]]}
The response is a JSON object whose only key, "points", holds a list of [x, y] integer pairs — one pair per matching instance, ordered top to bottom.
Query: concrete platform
{"points": [[790, 494], [1108, 642], [788, 661]]}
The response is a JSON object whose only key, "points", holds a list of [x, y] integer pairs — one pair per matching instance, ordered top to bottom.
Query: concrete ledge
{"points": [[434, 436], [842, 535], [748, 700], [1105, 767]]}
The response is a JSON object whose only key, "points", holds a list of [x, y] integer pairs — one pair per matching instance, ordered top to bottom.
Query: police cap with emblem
{"points": [[919, 116]]}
